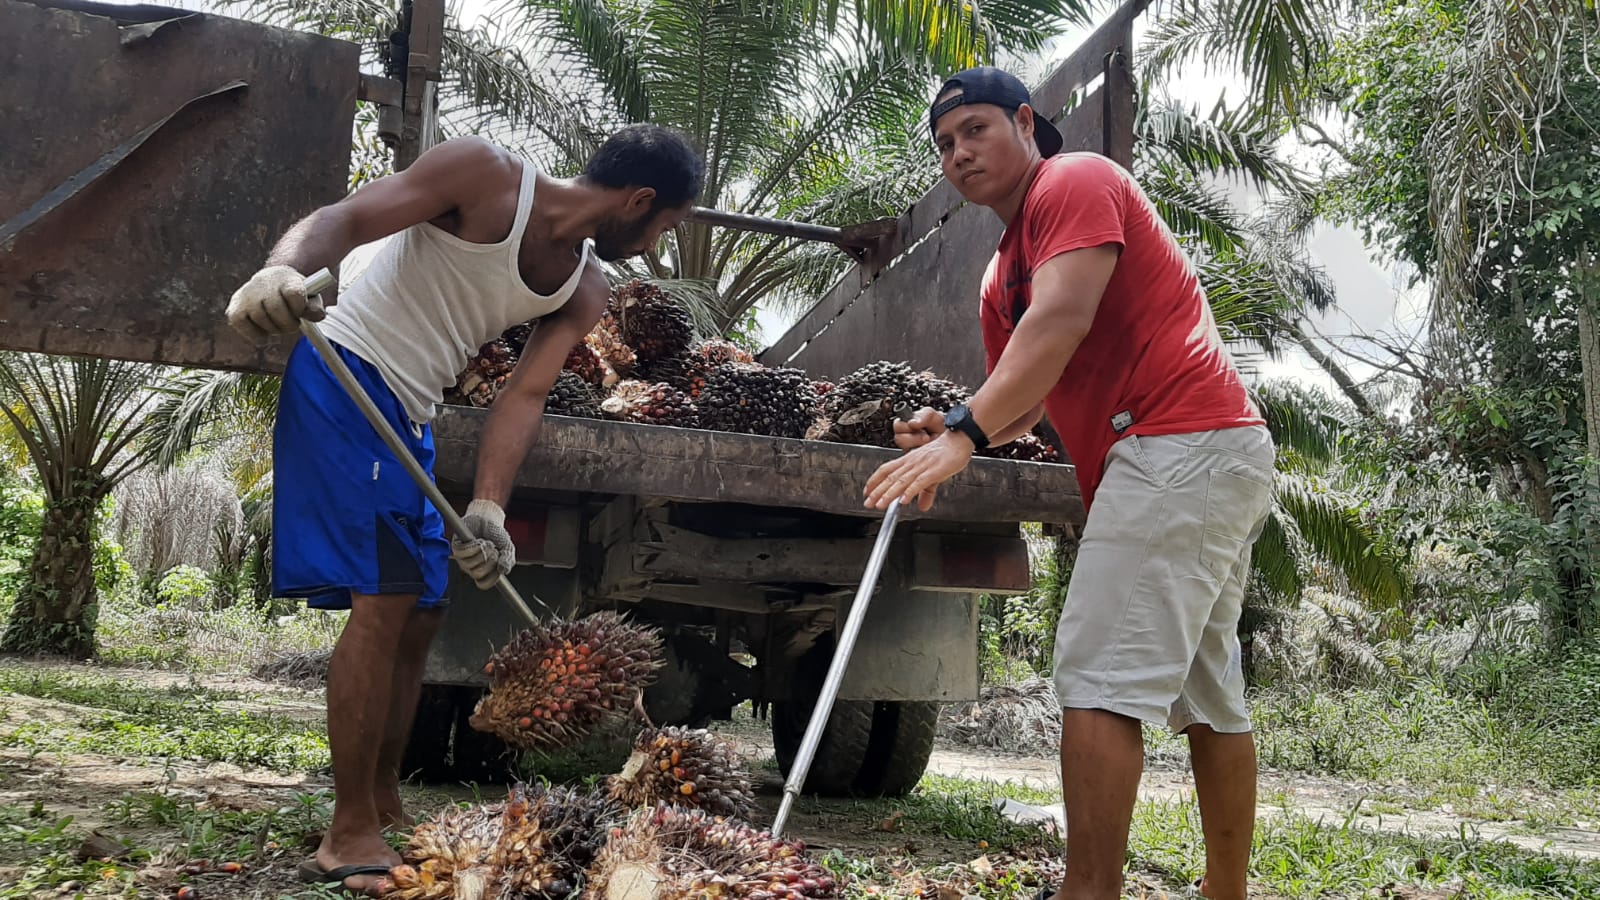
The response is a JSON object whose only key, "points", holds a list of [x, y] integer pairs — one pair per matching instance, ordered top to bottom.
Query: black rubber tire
{"points": [[844, 742], [901, 744], [427, 754], [477, 757]]}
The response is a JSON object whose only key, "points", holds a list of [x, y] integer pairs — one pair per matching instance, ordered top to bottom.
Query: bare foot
{"points": [[365, 850]]}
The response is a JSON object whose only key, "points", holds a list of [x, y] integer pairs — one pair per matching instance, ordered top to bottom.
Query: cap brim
{"points": [[1046, 136]]}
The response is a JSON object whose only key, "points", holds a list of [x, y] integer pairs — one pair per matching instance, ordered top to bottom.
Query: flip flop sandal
{"points": [[312, 873]]}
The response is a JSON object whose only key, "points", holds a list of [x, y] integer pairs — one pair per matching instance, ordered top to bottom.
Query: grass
{"points": [[179, 722]]}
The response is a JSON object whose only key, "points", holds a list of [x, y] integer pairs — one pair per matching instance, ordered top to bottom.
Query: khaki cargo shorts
{"points": [[1150, 624]]}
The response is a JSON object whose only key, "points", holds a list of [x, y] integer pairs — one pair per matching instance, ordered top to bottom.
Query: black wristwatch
{"points": [[959, 418]]}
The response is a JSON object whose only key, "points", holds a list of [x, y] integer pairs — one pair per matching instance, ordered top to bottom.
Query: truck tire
{"points": [[901, 744], [870, 748], [444, 749], [427, 753], [477, 757]]}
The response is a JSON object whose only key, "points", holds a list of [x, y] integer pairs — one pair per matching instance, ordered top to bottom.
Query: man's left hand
{"points": [[919, 473]]}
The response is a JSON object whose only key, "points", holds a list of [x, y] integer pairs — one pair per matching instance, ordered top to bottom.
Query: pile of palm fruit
{"points": [[643, 363], [670, 825]]}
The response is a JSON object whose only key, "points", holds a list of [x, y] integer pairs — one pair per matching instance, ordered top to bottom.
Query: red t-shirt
{"points": [[1152, 362]]}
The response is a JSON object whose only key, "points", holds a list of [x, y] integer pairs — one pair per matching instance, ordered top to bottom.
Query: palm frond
{"points": [[593, 32], [948, 35], [1273, 43], [1224, 143], [1196, 213], [1245, 301], [199, 399], [1301, 419], [1330, 526], [1276, 559]]}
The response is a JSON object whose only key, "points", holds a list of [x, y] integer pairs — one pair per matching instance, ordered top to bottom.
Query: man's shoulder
{"points": [[474, 159], [1066, 170]]}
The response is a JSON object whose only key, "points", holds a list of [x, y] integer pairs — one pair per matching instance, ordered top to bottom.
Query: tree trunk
{"points": [[1589, 350], [1589, 359], [1340, 377], [56, 608]]}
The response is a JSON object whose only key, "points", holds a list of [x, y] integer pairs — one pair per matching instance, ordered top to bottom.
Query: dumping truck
{"points": [[152, 157]]}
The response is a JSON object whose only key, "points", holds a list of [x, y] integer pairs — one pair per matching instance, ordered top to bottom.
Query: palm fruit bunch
{"points": [[652, 324], [516, 337], [605, 338], [715, 352], [585, 362], [683, 373], [484, 375], [822, 387], [572, 396], [750, 398], [651, 404], [862, 407], [1027, 448], [553, 683], [683, 767], [549, 837], [668, 853], [449, 857]]}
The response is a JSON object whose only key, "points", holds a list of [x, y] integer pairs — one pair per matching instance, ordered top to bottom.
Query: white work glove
{"points": [[273, 302], [490, 554]]}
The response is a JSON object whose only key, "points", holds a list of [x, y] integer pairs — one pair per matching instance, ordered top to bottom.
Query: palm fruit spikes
{"points": [[652, 324], [606, 341], [585, 362], [484, 375], [571, 396], [753, 399], [652, 404], [862, 407], [554, 682], [683, 767], [549, 838], [669, 853], [449, 857]]}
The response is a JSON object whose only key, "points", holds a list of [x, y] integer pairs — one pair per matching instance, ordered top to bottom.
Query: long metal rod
{"points": [[764, 225], [318, 282], [841, 661]]}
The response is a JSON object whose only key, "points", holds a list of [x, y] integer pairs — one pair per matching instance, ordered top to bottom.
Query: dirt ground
{"points": [[83, 785]]}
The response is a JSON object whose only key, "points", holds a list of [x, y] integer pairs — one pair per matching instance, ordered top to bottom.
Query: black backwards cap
{"points": [[987, 84]]}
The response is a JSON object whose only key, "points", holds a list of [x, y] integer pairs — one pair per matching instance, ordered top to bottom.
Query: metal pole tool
{"points": [[316, 283], [841, 661]]}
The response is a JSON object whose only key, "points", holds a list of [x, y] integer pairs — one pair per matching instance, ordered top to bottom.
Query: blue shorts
{"points": [[346, 517]]}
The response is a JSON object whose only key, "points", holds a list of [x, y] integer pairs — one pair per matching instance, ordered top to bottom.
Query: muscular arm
{"points": [[451, 176], [1066, 295], [518, 410], [1018, 428]]}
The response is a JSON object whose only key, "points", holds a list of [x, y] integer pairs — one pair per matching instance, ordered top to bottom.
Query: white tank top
{"points": [[429, 300]]}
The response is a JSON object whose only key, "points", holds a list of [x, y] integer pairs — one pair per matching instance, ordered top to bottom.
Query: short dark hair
{"points": [[651, 156]]}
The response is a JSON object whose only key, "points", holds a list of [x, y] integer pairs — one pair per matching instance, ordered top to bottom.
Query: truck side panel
{"points": [[152, 158]]}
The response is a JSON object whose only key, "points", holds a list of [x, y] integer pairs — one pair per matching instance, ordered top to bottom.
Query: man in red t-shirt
{"points": [[1092, 314]]}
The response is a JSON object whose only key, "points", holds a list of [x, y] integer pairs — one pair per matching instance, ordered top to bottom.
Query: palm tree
{"points": [[81, 421]]}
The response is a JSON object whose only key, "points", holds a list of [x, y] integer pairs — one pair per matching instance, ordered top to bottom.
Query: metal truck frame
{"points": [[155, 155]]}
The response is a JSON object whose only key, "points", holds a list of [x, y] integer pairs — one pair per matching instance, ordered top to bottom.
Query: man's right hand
{"points": [[273, 302], [924, 426], [489, 553]]}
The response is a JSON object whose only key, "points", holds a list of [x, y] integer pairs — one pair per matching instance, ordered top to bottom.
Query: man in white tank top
{"points": [[479, 241]]}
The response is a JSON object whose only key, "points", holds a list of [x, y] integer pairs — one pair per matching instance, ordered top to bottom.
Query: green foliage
{"points": [[21, 510], [185, 587], [180, 722]]}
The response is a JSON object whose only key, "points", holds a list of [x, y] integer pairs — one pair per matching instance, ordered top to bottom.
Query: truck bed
{"points": [[596, 457]]}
